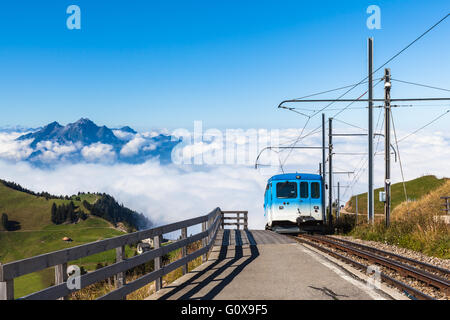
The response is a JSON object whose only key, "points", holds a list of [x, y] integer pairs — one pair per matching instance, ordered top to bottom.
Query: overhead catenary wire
{"points": [[384, 64], [421, 85], [351, 87], [332, 90], [376, 106], [339, 112], [309, 118], [349, 124], [423, 127], [313, 132], [299, 137], [365, 159], [399, 159]]}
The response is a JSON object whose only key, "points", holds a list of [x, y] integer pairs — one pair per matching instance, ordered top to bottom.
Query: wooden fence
{"points": [[446, 204], [235, 215], [59, 259]]}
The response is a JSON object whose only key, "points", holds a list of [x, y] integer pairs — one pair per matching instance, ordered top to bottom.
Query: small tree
{"points": [[54, 214], [82, 215], [5, 221]]}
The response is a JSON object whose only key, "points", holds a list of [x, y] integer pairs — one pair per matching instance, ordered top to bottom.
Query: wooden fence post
{"points": [[446, 205], [222, 220], [238, 220], [246, 220], [208, 238], [204, 241], [156, 245], [184, 268], [61, 276], [120, 277], [6, 287], [7, 290]]}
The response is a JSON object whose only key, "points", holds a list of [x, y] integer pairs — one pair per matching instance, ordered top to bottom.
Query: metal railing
{"points": [[60, 259]]}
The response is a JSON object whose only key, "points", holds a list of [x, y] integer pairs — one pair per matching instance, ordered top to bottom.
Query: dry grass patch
{"points": [[414, 226]]}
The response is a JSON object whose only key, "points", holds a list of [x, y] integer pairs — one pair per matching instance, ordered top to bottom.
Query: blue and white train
{"points": [[293, 201]]}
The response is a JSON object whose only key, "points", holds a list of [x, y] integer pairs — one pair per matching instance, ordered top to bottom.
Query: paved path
{"points": [[263, 265]]}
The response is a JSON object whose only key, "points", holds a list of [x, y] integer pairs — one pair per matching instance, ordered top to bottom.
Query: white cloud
{"points": [[123, 135], [139, 142], [133, 146], [14, 150], [52, 151], [98, 152], [164, 193], [170, 193]]}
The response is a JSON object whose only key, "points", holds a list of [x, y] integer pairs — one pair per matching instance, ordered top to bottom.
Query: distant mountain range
{"points": [[83, 131], [86, 141]]}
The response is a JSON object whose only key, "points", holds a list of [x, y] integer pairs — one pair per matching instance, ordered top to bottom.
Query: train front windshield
{"points": [[286, 190]]}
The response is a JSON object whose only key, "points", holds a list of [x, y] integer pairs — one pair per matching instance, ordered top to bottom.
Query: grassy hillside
{"points": [[415, 190], [32, 212], [415, 225], [38, 235]]}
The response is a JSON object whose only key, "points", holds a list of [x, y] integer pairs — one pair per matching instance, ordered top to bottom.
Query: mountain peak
{"points": [[84, 121], [52, 125], [128, 129], [84, 131]]}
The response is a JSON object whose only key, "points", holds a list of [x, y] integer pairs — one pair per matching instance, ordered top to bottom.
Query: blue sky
{"points": [[164, 64]]}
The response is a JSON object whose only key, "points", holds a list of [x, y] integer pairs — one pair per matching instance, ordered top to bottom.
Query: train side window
{"points": [[304, 189], [270, 190], [287, 190], [315, 190]]}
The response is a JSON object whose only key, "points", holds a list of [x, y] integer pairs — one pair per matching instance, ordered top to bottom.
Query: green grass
{"points": [[415, 189], [32, 212], [38, 235], [19, 245], [33, 282]]}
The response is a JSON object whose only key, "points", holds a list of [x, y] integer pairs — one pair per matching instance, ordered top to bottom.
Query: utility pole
{"points": [[387, 144], [330, 171], [324, 175], [370, 204], [356, 218]]}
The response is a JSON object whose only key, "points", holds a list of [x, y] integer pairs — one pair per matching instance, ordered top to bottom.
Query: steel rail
{"points": [[421, 264], [403, 269], [384, 277]]}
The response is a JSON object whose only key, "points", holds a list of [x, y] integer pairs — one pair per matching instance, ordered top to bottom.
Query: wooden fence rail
{"points": [[60, 259]]}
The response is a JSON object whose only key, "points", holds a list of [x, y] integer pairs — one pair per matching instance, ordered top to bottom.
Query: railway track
{"points": [[395, 266], [444, 273]]}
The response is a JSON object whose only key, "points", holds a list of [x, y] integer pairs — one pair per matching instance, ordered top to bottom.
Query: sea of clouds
{"points": [[168, 193]]}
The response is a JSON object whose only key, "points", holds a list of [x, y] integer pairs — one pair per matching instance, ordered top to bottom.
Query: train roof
{"points": [[295, 176]]}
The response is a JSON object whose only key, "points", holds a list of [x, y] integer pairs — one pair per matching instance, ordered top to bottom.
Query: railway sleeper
{"points": [[403, 270]]}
